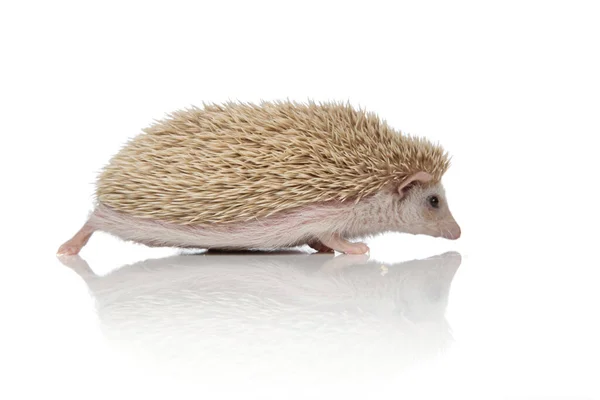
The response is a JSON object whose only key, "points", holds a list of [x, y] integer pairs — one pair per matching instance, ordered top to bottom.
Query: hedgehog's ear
{"points": [[410, 181]]}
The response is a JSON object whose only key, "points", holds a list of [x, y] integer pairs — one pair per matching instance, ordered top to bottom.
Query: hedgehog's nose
{"points": [[452, 232], [456, 232]]}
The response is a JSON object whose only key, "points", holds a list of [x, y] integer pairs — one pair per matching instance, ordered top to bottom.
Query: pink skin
{"points": [[324, 227], [76, 243]]}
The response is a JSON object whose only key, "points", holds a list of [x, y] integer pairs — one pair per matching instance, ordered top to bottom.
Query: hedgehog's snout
{"points": [[451, 231], [455, 232]]}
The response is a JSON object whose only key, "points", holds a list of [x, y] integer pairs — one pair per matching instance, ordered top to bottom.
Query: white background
{"points": [[510, 89]]}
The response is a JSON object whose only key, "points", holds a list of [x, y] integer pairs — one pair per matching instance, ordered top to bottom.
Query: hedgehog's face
{"points": [[424, 209]]}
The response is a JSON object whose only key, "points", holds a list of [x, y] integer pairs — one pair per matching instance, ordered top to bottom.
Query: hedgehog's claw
{"points": [[68, 249]]}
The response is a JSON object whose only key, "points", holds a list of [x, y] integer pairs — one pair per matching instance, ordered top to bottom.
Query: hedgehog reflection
{"points": [[272, 314]]}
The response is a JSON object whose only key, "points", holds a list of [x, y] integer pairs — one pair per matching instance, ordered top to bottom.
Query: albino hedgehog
{"points": [[268, 176]]}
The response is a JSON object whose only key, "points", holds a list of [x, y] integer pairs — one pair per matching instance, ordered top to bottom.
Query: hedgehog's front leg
{"points": [[337, 243], [320, 247]]}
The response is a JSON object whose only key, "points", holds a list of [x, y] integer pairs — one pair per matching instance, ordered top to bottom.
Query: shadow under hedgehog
{"points": [[268, 176]]}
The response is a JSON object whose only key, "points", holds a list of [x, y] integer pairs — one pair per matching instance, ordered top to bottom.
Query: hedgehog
{"points": [[270, 175]]}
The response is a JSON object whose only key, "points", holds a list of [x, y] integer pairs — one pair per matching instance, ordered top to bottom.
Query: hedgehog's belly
{"points": [[285, 230]]}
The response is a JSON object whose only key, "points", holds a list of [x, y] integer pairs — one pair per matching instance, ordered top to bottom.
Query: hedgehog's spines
{"points": [[234, 161]]}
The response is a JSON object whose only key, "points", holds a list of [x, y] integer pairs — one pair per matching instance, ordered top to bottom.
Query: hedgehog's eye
{"points": [[433, 201]]}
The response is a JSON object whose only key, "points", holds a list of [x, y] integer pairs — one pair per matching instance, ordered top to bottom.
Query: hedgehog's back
{"points": [[236, 162]]}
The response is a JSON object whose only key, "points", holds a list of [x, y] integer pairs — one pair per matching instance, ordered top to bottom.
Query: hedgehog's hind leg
{"points": [[337, 243], [75, 244]]}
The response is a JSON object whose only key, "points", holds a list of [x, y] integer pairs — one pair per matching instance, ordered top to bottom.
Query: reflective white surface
{"points": [[300, 318], [294, 324]]}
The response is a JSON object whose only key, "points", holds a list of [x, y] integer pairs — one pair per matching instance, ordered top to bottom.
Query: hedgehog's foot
{"points": [[337, 243], [75, 244], [320, 247]]}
